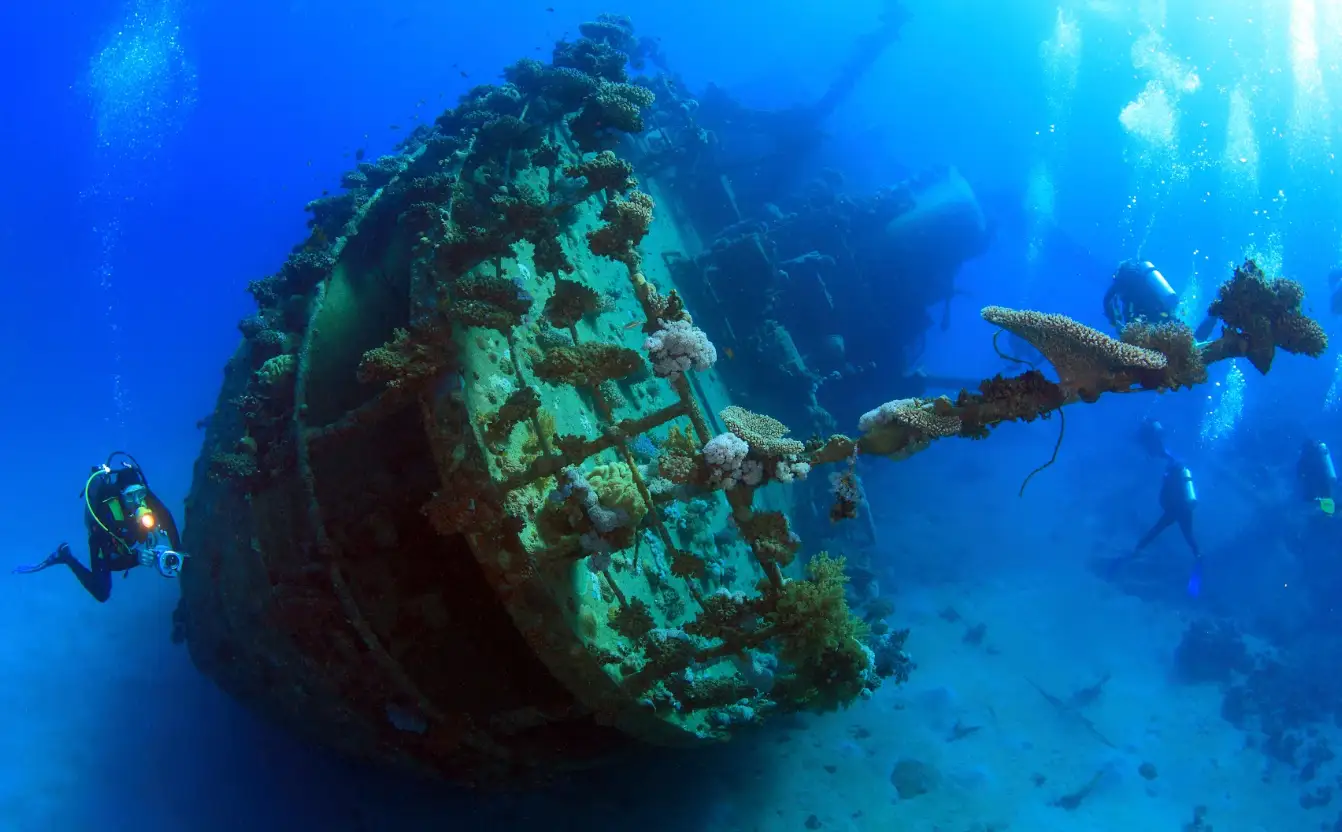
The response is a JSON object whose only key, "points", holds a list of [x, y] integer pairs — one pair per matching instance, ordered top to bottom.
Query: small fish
{"points": [[549, 8], [464, 75], [394, 127], [358, 154], [309, 163], [632, 324], [731, 353]]}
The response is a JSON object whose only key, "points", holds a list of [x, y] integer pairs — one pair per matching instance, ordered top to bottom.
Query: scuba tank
{"points": [[1157, 288], [1318, 475], [1178, 491], [1190, 494]]}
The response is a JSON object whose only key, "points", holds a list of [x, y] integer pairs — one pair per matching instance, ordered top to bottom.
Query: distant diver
{"points": [[1139, 291], [1316, 476], [1178, 498], [127, 526]]}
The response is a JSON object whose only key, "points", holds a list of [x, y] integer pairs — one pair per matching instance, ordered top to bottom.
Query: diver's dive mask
{"points": [[135, 507]]}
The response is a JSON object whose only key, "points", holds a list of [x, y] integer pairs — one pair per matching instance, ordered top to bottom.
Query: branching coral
{"points": [[617, 31], [592, 57], [555, 89], [611, 106], [604, 172], [627, 223], [302, 271], [492, 302], [570, 302], [1264, 315], [1174, 340], [678, 347], [1085, 359], [408, 360], [589, 364], [277, 371], [919, 416], [834, 449], [681, 468], [770, 536], [632, 620], [820, 638], [819, 642]]}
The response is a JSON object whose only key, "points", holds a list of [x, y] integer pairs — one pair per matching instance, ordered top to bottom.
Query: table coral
{"points": [[1084, 358]]}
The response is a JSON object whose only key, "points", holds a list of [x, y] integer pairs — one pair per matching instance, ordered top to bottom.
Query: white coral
{"points": [[677, 347], [884, 415], [725, 456], [789, 469]]}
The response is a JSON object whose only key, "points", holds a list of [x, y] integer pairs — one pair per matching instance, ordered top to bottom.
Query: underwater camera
{"points": [[158, 553]]}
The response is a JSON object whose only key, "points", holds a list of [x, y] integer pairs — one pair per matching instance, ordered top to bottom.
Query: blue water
{"points": [[158, 156]]}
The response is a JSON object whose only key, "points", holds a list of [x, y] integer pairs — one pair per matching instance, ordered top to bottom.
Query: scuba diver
{"points": [[1139, 291], [1316, 476], [1178, 498], [127, 526]]}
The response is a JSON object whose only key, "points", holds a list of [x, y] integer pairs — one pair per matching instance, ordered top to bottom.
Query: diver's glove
{"points": [[61, 555], [1195, 579]]}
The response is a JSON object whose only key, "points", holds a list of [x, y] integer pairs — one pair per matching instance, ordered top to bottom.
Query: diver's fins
{"points": [[61, 555], [1195, 579]]}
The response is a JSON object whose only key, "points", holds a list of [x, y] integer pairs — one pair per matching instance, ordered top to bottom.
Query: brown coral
{"points": [[604, 172], [627, 223], [492, 302], [571, 302], [1265, 314], [1174, 340], [1085, 359], [407, 360], [587, 365], [1025, 397], [522, 404], [764, 434], [835, 448], [235, 468], [680, 469], [770, 537], [687, 565], [633, 620]]}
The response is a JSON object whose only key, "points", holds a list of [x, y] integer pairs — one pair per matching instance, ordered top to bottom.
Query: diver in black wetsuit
{"points": [[1139, 291], [1178, 498], [127, 526]]}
